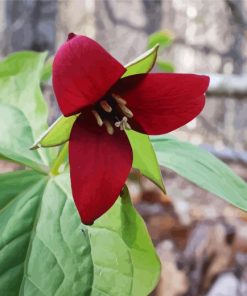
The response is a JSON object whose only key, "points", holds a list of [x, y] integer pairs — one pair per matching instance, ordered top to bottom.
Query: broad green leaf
{"points": [[163, 38], [144, 63], [165, 66], [47, 71], [20, 75], [59, 131], [57, 134], [16, 138], [144, 158], [201, 168], [11, 184], [45, 252], [129, 259]]}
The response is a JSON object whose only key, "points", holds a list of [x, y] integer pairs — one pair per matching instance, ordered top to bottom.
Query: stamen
{"points": [[118, 99], [105, 106], [126, 111], [108, 112], [97, 117], [109, 127]]}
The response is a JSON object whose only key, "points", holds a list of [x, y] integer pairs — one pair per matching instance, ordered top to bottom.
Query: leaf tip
{"points": [[156, 47], [35, 146]]}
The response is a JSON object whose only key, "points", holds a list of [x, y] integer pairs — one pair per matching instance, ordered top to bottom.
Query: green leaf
{"points": [[163, 38], [144, 63], [165, 66], [47, 71], [20, 75], [59, 132], [16, 138], [144, 158], [201, 168], [11, 184], [45, 252], [129, 258]]}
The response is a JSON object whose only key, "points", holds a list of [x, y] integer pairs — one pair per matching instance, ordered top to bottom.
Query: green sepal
{"points": [[144, 63], [57, 134], [144, 158]]}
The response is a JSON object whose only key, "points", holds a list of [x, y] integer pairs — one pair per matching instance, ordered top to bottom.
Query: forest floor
{"points": [[200, 238]]}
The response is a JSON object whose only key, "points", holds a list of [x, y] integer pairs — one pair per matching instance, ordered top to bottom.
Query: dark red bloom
{"points": [[87, 80]]}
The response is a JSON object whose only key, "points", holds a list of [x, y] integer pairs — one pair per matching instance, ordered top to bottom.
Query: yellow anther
{"points": [[118, 99], [105, 106], [126, 111], [97, 117], [109, 127]]}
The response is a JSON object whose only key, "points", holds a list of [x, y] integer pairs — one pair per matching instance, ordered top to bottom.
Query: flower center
{"points": [[112, 111]]}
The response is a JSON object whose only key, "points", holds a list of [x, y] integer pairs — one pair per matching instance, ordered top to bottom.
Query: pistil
{"points": [[123, 124]]}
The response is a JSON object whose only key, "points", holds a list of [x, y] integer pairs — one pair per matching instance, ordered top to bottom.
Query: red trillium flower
{"points": [[87, 80]]}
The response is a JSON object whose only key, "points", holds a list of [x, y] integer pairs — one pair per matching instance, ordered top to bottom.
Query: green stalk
{"points": [[59, 160]]}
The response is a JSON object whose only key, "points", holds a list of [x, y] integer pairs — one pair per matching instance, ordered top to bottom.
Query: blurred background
{"points": [[201, 240]]}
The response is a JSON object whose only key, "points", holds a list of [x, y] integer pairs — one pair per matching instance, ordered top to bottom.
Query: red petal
{"points": [[82, 73], [163, 102], [99, 167]]}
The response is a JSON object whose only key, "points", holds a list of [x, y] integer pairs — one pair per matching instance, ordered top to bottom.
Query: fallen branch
{"points": [[234, 86]]}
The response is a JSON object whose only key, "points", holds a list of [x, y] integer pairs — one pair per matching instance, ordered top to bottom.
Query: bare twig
{"points": [[234, 86]]}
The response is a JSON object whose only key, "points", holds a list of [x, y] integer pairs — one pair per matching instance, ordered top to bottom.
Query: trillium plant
{"points": [[90, 83], [67, 223]]}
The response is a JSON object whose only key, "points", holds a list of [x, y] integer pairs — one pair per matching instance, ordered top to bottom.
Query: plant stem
{"points": [[59, 160]]}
